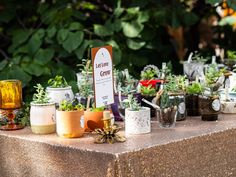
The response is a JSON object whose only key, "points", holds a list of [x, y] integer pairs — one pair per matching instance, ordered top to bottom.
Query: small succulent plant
{"points": [[57, 82], [40, 97], [73, 105]]}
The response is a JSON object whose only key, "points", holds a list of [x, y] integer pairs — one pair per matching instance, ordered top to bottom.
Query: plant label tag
{"points": [[103, 76]]}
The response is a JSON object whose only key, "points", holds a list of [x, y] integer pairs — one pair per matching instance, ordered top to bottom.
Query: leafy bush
{"points": [[40, 39]]}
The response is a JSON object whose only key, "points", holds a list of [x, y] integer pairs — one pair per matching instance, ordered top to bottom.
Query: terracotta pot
{"points": [[42, 118], [93, 120], [70, 124]]}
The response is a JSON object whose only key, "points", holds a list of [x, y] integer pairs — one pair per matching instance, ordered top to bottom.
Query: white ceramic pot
{"points": [[58, 94], [228, 107], [42, 118], [137, 122]]}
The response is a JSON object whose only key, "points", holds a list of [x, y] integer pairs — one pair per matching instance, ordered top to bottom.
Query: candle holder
{"points": [[10, 103], [109, 134]]}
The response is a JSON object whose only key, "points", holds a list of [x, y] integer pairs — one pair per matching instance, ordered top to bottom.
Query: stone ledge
{"points": [[192, 148]]}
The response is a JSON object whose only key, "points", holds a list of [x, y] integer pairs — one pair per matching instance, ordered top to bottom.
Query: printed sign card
{"points": [[103, 76]]}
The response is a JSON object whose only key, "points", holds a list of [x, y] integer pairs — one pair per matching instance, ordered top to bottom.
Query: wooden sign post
{"points": [[103, 76]]}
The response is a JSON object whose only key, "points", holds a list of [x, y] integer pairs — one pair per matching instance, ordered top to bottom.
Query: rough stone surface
{"points": [[192, 148]]}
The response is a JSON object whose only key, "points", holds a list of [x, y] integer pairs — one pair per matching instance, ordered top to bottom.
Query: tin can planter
{"points": [[58, 94], [178, 99], [192, 105], [209, 107], [42, 118], [93, 120], [137, 122], [70, 124]]}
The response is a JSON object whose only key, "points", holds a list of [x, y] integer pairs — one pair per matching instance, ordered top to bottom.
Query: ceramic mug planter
{"points": [[58, 94], [209, 107], [42, 118], [93, 120], [137, 122], [70, 124]]}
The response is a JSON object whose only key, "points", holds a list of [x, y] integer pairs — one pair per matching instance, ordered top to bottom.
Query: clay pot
{"points": [[42, 118], [93, 120], [70, 124]]}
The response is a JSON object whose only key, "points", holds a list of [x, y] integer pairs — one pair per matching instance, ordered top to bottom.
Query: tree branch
{"points": [[4, 54]]}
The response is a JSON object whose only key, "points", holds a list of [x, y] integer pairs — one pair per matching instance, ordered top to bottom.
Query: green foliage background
{"points": [[41, 39]]}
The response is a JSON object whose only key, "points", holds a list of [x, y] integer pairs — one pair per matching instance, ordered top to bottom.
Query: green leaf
{"points": [[132, 10], [118, 11], [143, 17], [117, 25], [76, 26], [132, 29], [102, 30], [51, 31], [40, 33], [62, 35], [19, 37], [73, 41], [96, 43], [112, 43], [34, 44], [135, 44], [80, 51], [116, 55], [43, 56], [16, 60], [3, 63], [33, 68], [16, 72]]}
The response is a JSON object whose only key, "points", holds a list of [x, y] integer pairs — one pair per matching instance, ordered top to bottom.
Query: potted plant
{"points": [[231, 59], [194, 66], [124, 85], [175, 87], [59, 90], [192, 92], [148, 93], [209, 102], [168, 110], [42, 112], [93, 118], [137, 118], [69, 119]]}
